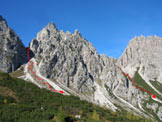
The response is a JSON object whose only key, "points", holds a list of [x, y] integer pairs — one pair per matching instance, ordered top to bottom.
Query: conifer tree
{"points": [[95, 116]]}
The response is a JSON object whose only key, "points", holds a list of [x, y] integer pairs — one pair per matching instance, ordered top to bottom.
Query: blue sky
{"points": [[107, 24]]}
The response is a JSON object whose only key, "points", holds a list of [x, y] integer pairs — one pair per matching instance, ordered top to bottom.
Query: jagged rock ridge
{"points": [[73, 61]]}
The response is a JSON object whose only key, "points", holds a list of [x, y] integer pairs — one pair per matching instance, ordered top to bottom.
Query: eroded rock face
{"points": [[12, 51], [144, 53], [67, 57]]}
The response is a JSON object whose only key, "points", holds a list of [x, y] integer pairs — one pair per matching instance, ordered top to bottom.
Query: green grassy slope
{"points": [[141, 83], [157, 85], [21, 101]]}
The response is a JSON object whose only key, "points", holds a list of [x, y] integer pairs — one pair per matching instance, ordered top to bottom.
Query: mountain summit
{"points": [[12, 51]]}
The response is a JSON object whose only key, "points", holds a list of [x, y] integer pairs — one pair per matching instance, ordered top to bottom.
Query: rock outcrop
{"points": [[12, 51], [145, 54], [67, 57]]}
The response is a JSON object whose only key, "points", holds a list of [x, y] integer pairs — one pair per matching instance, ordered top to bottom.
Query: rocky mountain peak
{"points": [[2, 19], [3, 24], [51, 27], [47, 32], [77, 33], [12, 50], [143, 52], [70, 55], [142, 58]]}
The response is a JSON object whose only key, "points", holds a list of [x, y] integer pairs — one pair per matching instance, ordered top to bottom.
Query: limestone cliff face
{"points": [[12, 51], [144, 53], [67, 57]]}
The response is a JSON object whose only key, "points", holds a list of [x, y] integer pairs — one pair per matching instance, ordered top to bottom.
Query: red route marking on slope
{"points": [[29, 67], [153, 95]]}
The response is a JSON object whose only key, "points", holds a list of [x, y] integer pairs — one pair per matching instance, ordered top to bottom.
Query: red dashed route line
{"points": [[43, 82], [153, 95]]}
